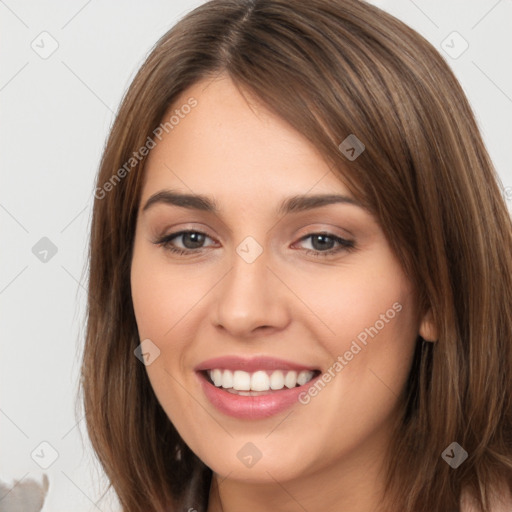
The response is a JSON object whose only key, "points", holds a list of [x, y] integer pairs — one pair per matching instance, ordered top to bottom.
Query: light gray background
{"points": [[55, 116]]}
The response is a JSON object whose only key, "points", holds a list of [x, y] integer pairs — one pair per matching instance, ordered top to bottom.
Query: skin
{"points": [[327, 455]]}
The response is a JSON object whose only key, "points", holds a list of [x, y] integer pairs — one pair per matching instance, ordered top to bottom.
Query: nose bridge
{"points": [[249, 297]]}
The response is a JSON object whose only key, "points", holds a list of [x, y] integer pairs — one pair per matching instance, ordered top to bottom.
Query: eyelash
{"points": [[344, 245]]}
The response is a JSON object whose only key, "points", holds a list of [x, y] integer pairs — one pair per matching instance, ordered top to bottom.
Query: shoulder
{"points": [[501, 501]]}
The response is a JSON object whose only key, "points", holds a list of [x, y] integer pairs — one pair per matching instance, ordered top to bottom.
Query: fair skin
{"points": [[328, 454]]}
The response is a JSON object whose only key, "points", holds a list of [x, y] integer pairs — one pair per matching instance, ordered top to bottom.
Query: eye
{"points": [[191, 241], [326, 244]]}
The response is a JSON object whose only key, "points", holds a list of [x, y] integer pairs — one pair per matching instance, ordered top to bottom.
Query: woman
{"points": [[300, 273]]}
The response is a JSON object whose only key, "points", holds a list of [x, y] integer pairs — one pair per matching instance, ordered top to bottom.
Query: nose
{"points": [[250, 299]]}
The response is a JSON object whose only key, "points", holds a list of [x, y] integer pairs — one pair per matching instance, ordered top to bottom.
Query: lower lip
{"points": [[252, 407]]}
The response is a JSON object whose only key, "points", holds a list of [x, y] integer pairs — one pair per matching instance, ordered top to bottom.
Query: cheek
{"points": [[162, 299], [357, 300], [164, 303], [167, 305], [365, 320], [368, 329]]}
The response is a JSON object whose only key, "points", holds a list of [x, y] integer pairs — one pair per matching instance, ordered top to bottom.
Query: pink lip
{"points": [[250, 364], [251, 407]]}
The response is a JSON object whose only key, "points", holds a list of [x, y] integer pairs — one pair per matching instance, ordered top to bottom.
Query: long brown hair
{"points": [[330, 68]]}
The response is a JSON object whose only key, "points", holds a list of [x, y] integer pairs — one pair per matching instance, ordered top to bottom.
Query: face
{"points": [[282, 331]]}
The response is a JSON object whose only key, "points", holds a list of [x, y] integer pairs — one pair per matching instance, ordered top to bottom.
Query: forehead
{"points": [[231, 144]]}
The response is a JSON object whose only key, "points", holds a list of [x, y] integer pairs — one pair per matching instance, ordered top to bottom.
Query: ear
{"points": [[428, 329]]}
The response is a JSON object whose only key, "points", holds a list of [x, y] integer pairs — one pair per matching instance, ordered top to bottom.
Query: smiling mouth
{"points": [[260, 382]]}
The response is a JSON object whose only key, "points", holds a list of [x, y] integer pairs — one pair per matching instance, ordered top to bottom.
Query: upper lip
{"points": [[251, 364]]}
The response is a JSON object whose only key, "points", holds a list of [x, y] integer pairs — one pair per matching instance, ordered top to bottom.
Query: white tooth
{"points": [[216, 376], [303, 377], [227, 379], [291, 379], [241, 380], [277, 380], [260, 381]]}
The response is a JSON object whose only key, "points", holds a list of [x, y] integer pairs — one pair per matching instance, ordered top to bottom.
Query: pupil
{"points": [[196, 240], [326, 242]]}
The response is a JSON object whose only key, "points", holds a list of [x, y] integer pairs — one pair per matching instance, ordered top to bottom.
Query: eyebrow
{"points": [[293, 204]]}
